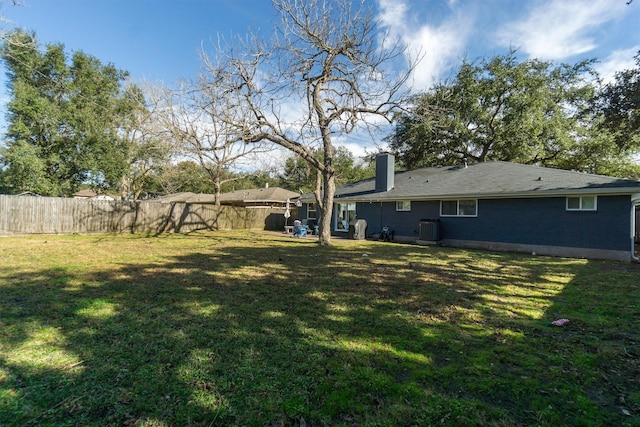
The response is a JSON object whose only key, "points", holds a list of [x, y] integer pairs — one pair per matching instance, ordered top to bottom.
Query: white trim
{"points": [[482, 196], [635, 202], [314, 210], [403, 210], [345, 222]]}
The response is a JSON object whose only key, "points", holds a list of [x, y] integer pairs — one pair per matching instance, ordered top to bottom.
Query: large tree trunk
{"points": [[217, 186], [124, 187], [327, 209]]}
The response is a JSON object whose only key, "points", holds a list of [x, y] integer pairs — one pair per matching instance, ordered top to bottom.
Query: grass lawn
{"points": [[238, 329]]}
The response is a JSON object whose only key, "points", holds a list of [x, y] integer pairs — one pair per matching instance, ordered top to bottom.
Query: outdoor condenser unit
{"points": [[430, 230]]}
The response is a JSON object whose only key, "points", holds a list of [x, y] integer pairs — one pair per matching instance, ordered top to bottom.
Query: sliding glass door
{"points": [[345, 213]]}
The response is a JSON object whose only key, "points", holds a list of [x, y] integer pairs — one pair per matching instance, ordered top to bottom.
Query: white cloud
{"points": [[393, 13], [558, 29], [441, 46], [618, 60], [358, 150]]}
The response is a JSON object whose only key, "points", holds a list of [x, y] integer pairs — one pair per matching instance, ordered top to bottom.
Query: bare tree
{"points": [[328, 71], [199, 118], [146, 146]]}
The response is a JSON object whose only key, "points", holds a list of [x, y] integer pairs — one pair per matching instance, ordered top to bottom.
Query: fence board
{"points": [[53, 215]]}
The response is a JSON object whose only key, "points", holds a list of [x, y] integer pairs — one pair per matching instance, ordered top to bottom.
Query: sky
{"points": [[161, 40]]}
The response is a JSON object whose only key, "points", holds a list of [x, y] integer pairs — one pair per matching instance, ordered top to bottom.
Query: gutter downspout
{"points": [[635, 200]]}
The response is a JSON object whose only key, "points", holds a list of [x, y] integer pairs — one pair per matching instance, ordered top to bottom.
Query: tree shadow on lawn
{"points": [[247, 336], [595, 358]]}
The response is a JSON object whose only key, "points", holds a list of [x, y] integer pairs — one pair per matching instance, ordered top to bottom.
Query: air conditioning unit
{"points": [[430, 230]]}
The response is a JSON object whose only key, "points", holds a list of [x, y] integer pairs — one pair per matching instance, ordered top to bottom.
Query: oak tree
{"points": [[619, 103], [530, 111], [66, 115]]}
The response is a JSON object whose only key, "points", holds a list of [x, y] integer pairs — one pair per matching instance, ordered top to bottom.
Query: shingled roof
{"points": [[487, 180], [259, 195], [254, 196]]}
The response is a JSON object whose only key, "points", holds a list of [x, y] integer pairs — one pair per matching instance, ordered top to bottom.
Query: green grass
{"points": [[232, 328]]}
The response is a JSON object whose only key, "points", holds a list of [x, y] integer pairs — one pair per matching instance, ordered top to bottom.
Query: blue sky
{"points": [[152, 39], [161, 40]]}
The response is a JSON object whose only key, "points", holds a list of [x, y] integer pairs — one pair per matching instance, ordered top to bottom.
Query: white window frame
{"points": [[403, 206], [581, 207], [458, 208], [311, 211], [342, 224]]}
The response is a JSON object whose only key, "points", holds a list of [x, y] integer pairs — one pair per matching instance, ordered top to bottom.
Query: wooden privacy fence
{"points": [[53, 215]]}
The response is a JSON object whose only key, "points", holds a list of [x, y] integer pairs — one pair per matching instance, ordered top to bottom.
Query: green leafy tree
{"points": [[619, 103], [501, 109], [70, 111], [142, 149], [27, 169], [299, 175], [185, 176], [190, 176], [257, 179]]}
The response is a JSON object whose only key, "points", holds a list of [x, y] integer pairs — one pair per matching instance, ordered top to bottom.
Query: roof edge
{"points": [[523, 195]]}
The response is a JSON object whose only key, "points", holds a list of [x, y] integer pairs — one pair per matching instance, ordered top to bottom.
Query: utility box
{"points": [[358, 229], [430, 230]]}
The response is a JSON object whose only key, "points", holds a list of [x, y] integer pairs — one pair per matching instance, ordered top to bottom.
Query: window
{"points": [[582, 203], [403, 205], [465, 207], [449, 208], [311, 211], [346, 212]]}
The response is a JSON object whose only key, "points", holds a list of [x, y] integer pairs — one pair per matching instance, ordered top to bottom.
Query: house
{"points": [[187, 197], [259, 197], [275, 201], [496, 206]]}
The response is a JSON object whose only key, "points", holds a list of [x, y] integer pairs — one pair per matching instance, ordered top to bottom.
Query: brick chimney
{"points": [[384, 172]]}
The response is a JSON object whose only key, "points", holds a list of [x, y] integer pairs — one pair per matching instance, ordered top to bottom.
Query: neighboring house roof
{"points": [[486, 180], [85, 194], [91, 194], [258, 195], [263, 196], [175, 197], [186, 197], [201, 198]]}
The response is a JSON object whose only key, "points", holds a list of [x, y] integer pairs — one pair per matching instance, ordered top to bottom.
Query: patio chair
{"points": [[299, 230]]}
